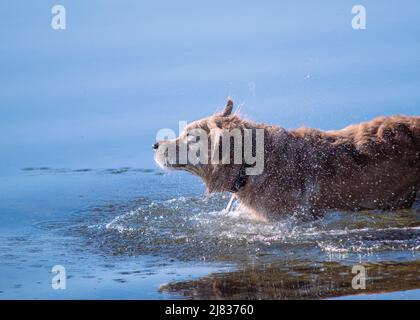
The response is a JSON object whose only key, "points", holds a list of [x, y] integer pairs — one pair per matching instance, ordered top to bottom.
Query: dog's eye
{"points": [[191, 138]]}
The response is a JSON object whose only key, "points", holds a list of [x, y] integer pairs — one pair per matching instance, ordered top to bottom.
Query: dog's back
{"points": [[399, 134], [370, 165]]}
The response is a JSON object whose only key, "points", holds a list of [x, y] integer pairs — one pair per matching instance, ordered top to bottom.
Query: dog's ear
{"points": [[228, 108]]}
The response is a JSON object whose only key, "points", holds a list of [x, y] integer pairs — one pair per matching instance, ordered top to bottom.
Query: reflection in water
{"points": [[285, 258], [304, 280]]}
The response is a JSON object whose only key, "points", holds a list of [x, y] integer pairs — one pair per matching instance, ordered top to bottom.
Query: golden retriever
{"points": [[370, 165]]}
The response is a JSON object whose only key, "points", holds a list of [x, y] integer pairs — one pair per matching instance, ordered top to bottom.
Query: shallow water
{"points": [[77, 107], [137, 233]]}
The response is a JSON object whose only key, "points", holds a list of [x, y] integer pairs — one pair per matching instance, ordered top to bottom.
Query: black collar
{"points": [[241, 179]]}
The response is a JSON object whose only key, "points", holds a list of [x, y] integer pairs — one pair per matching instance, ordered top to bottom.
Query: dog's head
{"points": [[218, 149]]}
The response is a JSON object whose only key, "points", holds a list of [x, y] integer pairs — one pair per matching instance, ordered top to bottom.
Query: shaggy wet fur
{"points": [[371, 165]]}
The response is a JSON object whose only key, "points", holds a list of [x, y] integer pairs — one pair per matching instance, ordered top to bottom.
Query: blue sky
{"points": [[95, 94]]}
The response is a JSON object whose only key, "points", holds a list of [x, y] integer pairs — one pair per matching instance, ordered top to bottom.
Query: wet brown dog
{"points": [[371, 165]]}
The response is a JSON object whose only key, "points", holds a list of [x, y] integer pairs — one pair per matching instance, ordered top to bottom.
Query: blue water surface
{"points": [[92, 98]]}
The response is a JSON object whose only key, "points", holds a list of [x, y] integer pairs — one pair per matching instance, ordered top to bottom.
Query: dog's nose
{"points": [[156, 145]]}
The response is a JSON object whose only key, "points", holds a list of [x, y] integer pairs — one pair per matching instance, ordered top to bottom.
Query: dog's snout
{"points": [[156, 145]]}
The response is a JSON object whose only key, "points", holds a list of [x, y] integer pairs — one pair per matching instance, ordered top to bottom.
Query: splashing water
{"points": [[229, 206], [191, 228], [189, 231]]}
